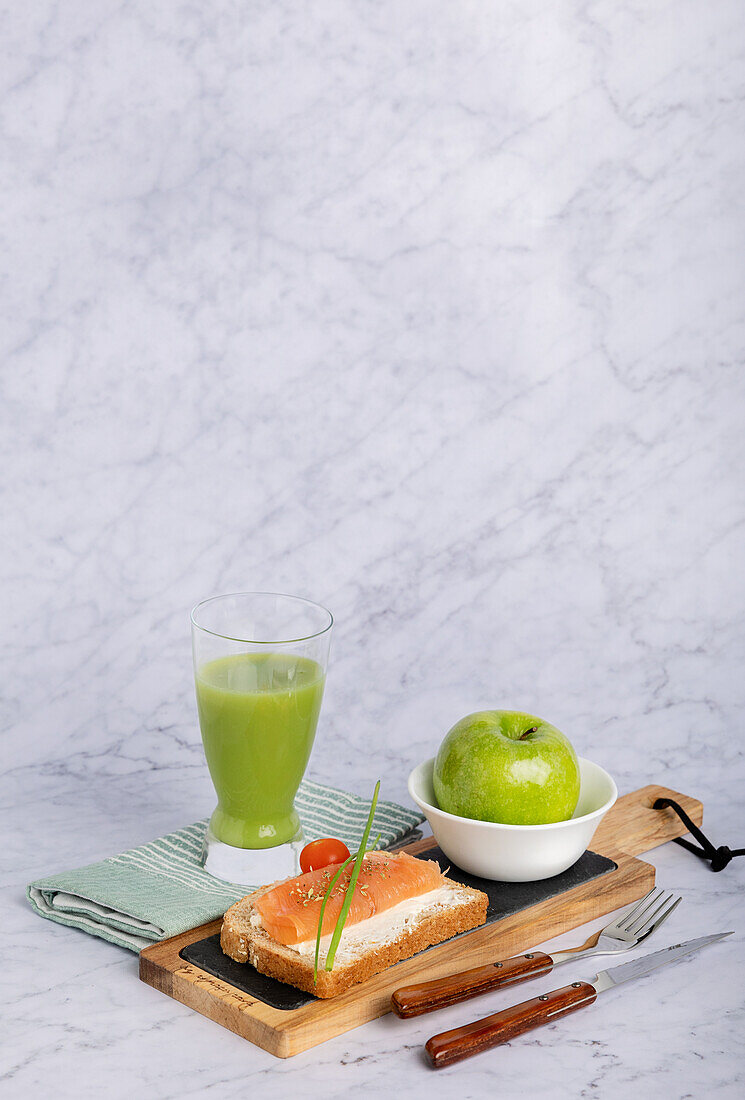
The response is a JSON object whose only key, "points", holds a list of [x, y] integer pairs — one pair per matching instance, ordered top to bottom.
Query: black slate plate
{"points": [[504, 898]]}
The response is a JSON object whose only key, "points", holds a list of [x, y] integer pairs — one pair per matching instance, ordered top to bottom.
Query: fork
{"points": [[627, 931]]}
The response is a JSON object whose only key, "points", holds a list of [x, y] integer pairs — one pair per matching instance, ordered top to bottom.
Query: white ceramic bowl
{"points": [[516, 853]]}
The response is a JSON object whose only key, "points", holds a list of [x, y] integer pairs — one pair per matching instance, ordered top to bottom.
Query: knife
{"points": [[462, 1042]]}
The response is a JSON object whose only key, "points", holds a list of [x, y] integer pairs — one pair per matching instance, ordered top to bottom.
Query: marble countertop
{"points": [[432, 313], [75, 1011]]}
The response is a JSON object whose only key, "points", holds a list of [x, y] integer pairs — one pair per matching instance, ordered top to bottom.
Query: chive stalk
{"points": [[352, 882], [350, 891], [326, 897]]}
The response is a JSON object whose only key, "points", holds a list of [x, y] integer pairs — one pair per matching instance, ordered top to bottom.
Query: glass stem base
{"points": [[251, 867]]}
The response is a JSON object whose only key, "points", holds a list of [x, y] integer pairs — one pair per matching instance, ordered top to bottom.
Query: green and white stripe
{"points": [[160, 889]]}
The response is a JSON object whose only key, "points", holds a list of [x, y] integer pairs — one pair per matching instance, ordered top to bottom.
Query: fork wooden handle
{"points": [[413, 1000], [462, 1042]]}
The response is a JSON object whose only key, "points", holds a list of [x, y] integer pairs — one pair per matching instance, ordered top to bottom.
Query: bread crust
{"points": [[246, 943]]}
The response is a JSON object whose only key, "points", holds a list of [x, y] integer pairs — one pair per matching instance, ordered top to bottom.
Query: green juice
{"points": [[258, 715]]}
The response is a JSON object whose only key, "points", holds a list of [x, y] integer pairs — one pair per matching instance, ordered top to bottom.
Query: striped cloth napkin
{"points": [[161, 889]]}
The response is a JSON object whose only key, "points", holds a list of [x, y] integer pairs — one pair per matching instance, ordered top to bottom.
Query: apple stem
{"points": [[533, 729]]}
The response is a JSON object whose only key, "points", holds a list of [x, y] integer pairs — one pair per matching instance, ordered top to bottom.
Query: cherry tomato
{"points": [[322, 853]]}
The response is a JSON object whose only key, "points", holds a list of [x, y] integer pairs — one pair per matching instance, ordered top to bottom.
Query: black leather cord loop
{"points": [[718, 857]]}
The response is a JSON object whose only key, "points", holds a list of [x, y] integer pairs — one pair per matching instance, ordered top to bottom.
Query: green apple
{"points": [[500, 765]]}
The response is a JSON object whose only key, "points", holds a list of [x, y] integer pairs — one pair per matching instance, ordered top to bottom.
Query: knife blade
{"points": [[637, 968], [462, 1042]]}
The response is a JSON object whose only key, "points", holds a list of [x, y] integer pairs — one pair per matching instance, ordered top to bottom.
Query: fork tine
{"points": [[627, 913], [646, 916], [627, 925], [647, 930]]}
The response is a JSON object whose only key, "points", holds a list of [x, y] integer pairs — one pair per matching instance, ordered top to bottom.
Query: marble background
{"points": [[430, 312]]}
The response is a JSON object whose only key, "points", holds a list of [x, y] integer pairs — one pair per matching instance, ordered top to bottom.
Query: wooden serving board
{"points": [[630, 828]]}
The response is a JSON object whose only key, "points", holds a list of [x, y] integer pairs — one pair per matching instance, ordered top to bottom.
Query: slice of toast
{"points": [[365, 948]]}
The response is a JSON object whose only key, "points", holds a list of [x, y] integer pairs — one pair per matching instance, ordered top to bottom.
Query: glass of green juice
{"points": [[260, 663]]}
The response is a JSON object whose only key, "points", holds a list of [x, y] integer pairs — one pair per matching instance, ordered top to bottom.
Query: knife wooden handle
{"points": [[413, 1000], [462, 1042]]}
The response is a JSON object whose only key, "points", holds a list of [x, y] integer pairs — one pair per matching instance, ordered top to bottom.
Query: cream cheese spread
{"points": [[381, 928]]}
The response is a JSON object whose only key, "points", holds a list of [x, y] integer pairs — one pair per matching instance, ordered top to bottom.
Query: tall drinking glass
{"points": [[260, 667]]}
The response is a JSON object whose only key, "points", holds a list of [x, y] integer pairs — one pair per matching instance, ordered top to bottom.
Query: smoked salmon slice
{"points": [[289, 912]]}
